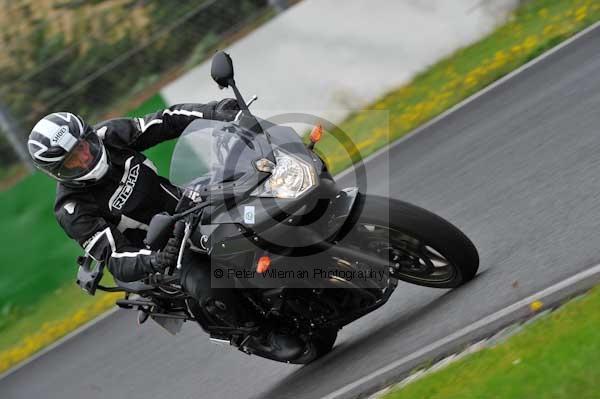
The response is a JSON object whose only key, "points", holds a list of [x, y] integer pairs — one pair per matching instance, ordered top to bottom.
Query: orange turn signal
{"points": [[316, 133], [263, 264]]}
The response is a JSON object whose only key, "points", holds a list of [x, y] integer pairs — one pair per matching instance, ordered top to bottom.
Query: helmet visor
{"points": [[82, 158]]}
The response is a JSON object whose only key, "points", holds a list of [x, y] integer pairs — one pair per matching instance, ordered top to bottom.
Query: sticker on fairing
{"points": [[249, 214]]}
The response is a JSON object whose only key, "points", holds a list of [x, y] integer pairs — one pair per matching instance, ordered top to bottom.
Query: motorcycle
{"points": [[256, 200]]}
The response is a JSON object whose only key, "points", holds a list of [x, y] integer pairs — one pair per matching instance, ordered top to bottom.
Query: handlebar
{"points": [[239, 114], [186, 235]]}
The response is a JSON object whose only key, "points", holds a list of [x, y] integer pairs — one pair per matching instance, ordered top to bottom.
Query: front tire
{"points": [[423, 248]]}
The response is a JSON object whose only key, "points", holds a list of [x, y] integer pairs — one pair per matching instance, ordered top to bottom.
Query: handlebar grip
{"points": [[179, 229], [179, 234]]}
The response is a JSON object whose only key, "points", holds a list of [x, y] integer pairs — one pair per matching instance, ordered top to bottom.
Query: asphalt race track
{"points": [[518, 170]]}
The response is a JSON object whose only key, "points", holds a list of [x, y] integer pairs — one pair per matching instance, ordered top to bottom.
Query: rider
{"points": [[108, 190]]}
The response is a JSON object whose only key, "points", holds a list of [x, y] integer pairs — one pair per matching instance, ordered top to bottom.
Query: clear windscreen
{"points": [[212, 152]]}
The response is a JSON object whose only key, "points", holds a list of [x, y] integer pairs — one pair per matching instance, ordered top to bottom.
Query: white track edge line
{"points": [[473, 97], [469, 329]]}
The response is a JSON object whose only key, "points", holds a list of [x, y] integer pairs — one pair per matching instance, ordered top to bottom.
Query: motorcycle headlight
{"points": [[290, 177]]}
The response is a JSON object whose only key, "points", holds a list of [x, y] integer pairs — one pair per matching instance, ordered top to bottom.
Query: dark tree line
{"points": [[50, 69]]}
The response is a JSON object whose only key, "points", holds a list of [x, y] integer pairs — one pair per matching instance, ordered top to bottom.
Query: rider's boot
{"points": [[277, 346]]}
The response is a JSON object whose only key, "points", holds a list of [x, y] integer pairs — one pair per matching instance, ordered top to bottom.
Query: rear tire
{"points": [[430, 230]]}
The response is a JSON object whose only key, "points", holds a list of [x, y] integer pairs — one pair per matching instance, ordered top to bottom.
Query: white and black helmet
{"points": [[66, 148]]}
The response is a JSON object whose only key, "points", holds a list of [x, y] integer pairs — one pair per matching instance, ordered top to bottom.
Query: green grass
{"points": [[37, 256], [59, 304], [555, 357]]}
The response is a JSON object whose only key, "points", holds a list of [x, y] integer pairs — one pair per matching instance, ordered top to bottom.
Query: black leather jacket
{"points": [[109, 219]]}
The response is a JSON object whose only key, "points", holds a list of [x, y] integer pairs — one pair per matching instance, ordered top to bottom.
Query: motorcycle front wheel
{"points": [[421, 247]]}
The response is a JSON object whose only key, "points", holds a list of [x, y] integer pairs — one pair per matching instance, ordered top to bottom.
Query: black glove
{"points": [[225, 110], [167, 257]]}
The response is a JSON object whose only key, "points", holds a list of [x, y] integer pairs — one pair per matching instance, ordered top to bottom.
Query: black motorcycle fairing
{"points": [[286, 138], [217, 161], [270, 211], [315, 220]]}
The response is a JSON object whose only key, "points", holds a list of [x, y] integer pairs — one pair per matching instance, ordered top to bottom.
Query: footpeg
{"points": [[131, 303], [142, 317], [218, 341]]}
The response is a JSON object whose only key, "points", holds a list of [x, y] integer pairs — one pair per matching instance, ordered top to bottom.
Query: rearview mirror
{"points": [[221, 69]]}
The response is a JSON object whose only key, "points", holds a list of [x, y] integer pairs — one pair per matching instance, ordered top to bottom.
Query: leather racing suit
{"points": [[110, 219]]}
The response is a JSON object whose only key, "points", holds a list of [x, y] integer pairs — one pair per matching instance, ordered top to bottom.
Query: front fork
{"points": [[345, 209]]}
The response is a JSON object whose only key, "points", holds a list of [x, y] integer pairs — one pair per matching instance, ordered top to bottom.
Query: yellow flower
{"points": [[581, 13], [549, 29], [530, 42], [500, 55], [470, 80], [536, 305]]}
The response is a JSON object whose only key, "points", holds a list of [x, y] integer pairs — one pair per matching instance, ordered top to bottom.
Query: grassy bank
{"points": [[38, 259], [57, 315], [555, 357]]}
